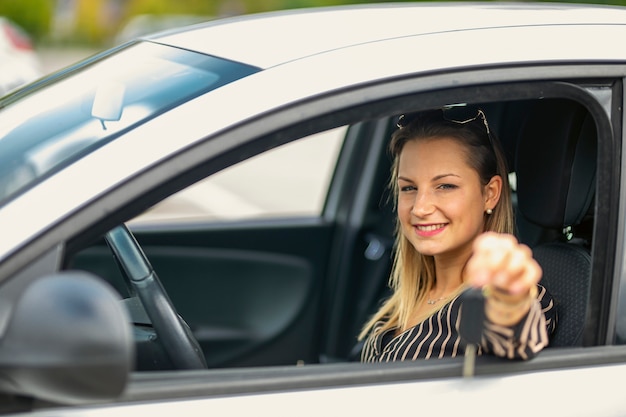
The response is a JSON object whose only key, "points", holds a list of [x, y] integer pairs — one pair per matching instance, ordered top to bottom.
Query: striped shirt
{"points": [[438, 335]]}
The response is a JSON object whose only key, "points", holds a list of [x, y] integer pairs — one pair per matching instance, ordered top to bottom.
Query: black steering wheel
{"points": [[176, 338]]}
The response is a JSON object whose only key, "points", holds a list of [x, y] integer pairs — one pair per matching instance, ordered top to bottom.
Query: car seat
{"points": [[555, 165]]}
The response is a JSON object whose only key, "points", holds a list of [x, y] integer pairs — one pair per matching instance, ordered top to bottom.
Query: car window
{"points": [[46, 129], [291, 180]]}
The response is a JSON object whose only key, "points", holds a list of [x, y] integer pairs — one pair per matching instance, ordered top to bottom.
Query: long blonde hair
{"points": [[413, 274]]}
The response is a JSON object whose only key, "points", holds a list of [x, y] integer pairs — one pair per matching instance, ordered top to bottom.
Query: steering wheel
{"points": [[176, 337]]}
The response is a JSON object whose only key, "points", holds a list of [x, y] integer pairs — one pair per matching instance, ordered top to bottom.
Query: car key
{"points": [[471, 326]]}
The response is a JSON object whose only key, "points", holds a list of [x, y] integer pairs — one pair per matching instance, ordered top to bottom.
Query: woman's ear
{"points": [[492, 192]]}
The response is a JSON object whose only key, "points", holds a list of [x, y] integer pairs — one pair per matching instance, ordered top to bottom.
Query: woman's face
{"points": [[441, 202]]}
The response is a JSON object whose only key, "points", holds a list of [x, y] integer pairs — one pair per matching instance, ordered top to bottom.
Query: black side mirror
{"points": [[68, 341]]}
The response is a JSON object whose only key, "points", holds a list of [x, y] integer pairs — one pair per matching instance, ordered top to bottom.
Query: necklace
{"points": [[453, 294], [431, 301]]}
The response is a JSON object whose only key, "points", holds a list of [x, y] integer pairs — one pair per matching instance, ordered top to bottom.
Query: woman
{"points": [[454, 230]]}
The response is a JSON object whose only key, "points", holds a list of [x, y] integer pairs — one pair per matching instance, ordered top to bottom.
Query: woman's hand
{"points": [[503, 263], [507, 272]]}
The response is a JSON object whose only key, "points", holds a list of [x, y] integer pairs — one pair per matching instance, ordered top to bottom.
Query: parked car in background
{"points": [[19, 63], [198, 222]]}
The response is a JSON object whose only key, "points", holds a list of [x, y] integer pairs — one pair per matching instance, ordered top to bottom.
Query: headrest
{"points": [[556, 163]]}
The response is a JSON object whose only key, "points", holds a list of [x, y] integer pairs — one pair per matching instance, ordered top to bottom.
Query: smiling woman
{"points": [[451, 184]]}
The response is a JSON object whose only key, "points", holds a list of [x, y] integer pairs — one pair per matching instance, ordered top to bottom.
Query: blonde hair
{"points": [[413, 274]]}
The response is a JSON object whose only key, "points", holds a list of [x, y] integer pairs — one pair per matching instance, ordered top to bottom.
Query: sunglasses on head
{"points": [[454, 114]]}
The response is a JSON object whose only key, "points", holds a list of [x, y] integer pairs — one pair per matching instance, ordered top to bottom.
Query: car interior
{"points": [[555, 194], [264, 292]]}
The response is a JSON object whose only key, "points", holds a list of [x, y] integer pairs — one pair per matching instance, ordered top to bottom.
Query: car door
{"points": [[354, 213], [368, 218], [286, 290]]}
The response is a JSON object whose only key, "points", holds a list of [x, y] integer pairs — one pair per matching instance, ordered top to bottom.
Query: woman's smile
{"points": [[428, 230]]}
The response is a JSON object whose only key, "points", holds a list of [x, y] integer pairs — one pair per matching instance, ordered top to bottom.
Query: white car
{"points": [[19, 63], [198, 222]]}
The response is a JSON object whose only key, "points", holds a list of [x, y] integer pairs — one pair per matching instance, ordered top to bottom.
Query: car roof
{"points": [[270, 39]]}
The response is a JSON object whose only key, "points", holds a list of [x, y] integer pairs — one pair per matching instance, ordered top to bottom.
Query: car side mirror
{"points": [[68, 341]]}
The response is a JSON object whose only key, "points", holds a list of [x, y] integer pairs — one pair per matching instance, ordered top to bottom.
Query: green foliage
{"points": [[201, 7], [34, 16], [97, 21]]}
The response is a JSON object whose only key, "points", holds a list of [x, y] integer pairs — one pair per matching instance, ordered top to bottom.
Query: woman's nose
{"points": [[423, 205]]}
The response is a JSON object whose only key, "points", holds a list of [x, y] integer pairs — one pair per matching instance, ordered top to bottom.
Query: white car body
{"points": [[338, 58]]}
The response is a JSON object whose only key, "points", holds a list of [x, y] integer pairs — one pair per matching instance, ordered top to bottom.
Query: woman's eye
{"points": [[446, 187], [408, 188]]}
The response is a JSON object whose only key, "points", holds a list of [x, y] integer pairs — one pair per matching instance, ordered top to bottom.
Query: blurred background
{"points": [[42, 36]]}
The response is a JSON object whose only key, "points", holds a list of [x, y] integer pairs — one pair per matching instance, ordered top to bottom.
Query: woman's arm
{"points": [[520, 313], [527, 336]]}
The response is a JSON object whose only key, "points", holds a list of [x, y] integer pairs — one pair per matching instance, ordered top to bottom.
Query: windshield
{"points": [[50, 127]]}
